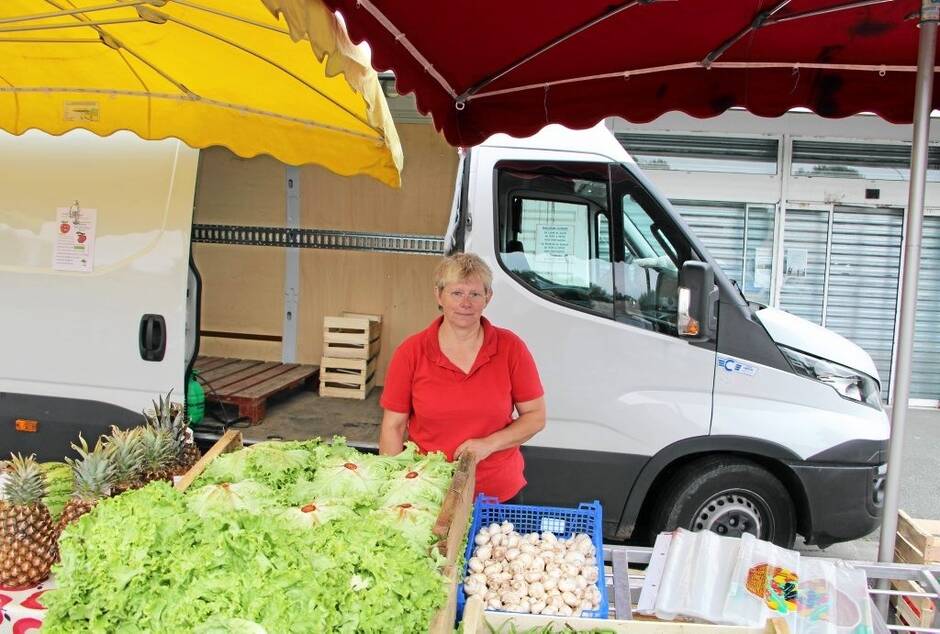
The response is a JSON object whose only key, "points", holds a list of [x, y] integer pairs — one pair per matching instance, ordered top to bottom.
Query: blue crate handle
{"points": [[586, 518]]}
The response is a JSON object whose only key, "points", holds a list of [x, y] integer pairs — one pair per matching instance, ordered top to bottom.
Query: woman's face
{"points": [[463, 302]]}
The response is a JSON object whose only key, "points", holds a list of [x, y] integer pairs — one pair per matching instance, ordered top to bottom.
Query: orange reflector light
{"points": [[24, 424]]}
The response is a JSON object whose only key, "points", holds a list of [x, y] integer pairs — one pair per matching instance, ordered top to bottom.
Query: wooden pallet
{"points": [[352, 337], [347, 378], [248, 384], [451, 525]]}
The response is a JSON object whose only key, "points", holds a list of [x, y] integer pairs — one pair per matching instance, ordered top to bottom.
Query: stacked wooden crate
{"points": [[351, 346], [918, 542]]}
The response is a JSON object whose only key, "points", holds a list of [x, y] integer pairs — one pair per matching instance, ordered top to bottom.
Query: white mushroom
{"points": [[493, 528], [506, 528], [549, 537], [481, 538], [513, 541], [527, 548], [484, 553], [499, 553], [512, 553], [575, 557], [525, 559], [475, 564], [538, 564], [517, 566], [492, 569], [570, 570], [589, 574], [532, 576], [501, 577], [550, 582], [580, 582], [566, 585], [520, 586], [473, 587], [536, 590], [570, 599], [494, 604], [537, 606], [565, 610]]}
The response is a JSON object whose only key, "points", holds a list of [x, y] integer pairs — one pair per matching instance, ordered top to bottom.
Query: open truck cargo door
{"points": [[85, 349]]}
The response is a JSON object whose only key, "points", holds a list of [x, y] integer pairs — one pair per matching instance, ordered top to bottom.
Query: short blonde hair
{"points": [[460, 267]]}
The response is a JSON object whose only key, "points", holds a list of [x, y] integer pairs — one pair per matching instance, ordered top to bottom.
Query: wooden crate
{"points": [[351, 337], [347, 378], [451, 525], [917, 542], [912, 610], [478, 621]]}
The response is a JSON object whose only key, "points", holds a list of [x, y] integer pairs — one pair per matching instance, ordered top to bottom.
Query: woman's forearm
{"points": [[530, 422], [521, 430], [392, 433]]}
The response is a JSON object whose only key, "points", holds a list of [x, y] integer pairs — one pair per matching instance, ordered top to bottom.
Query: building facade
{"points": [[807, 214]]}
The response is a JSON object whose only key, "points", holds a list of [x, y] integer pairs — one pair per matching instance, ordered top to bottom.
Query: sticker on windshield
{"points": [[733, 365]]}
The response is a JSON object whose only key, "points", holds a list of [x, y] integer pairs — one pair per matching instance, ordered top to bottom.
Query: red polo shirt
{"points": [[447, 406]]}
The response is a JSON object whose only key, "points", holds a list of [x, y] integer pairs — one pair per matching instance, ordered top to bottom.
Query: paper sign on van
{"points": [[733, 365]]}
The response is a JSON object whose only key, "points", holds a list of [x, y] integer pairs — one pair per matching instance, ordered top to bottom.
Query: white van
{"points": [[670, 397]]}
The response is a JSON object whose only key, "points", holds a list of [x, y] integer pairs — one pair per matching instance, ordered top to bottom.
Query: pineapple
{"points": [[170, 417], [158, 454], [127, 457], [92, 475], [28, 545]]}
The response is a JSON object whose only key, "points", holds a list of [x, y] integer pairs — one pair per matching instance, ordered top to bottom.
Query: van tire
{"points": [[738, 493]]}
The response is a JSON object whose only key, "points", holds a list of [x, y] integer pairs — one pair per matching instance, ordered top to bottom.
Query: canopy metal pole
{"points": [[930, 12]]}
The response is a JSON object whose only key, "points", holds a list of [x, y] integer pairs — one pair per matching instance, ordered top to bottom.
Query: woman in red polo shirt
{"points": [[454, 386]]}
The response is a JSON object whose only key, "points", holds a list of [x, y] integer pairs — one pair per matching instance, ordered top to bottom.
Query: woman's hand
{"points": [[530, 422], [480, 448]]}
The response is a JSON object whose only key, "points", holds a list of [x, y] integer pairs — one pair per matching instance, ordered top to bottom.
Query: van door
{"points": [[587, 276], [86, 349]]}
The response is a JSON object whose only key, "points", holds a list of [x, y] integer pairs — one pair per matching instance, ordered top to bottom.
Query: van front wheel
{"points": [[730, 496]]}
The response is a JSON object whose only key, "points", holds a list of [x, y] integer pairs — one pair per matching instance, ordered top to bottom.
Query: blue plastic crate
{"points": [[563, 522]]}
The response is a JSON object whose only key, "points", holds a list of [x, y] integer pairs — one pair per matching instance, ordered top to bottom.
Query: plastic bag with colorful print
{"points": [[764, 583]]}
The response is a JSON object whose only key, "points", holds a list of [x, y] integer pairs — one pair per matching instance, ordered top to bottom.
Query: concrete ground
{"points": [[304, 414]]}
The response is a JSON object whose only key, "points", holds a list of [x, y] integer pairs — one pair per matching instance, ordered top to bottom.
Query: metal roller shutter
{"points": [[721, 227], [804, 261], [863, 281], [925, 375]]}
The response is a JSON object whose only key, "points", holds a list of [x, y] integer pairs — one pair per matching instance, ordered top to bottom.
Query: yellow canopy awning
{"points": [[209, 72]]}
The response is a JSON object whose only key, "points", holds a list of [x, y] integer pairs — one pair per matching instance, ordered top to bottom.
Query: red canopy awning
{"points": [[480, 67]]}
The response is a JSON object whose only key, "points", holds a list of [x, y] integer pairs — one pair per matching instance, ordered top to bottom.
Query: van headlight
{"points": [[848, 383]]}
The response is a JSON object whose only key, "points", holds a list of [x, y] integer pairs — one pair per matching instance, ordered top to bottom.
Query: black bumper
{"points": [[834, 495]]}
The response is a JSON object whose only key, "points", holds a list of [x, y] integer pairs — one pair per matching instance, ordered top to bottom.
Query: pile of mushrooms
{"points": [[533, 573]]}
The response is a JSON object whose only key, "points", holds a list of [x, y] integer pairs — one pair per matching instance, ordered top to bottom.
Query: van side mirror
{"points": [[697, 314]]}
